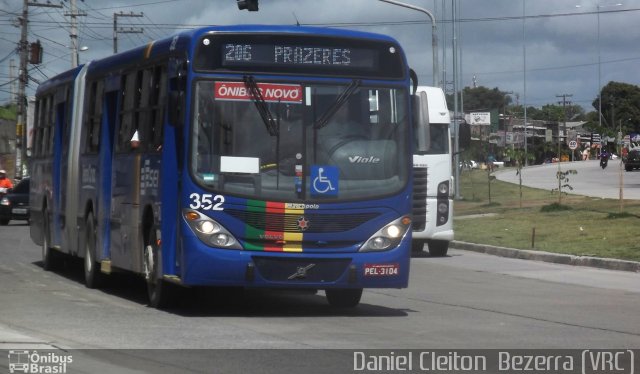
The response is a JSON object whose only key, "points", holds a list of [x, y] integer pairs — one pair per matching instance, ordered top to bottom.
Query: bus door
{"points": [[126, 251]]}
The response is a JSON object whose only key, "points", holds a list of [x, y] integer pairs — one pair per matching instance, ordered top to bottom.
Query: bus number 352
{"points": [[206, 201]]}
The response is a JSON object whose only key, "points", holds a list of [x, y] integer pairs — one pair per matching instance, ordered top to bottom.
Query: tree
{"points": [[482, 98], [620, 107], [8, 112], [521, 158]]}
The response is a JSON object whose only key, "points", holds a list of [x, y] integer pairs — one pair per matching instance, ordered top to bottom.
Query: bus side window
{"points": [[156, 102], [127, 110], [93, 118], [150, 120], [36, 124], [42, 126], [66, 127], [47, 137]]}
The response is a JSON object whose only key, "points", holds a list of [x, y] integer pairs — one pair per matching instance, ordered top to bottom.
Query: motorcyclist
{"points": [[604, 158], [5, 183]]}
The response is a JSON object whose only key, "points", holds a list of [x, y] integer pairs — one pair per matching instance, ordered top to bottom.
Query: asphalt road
{"points": [[591, 179], [466, 300]]}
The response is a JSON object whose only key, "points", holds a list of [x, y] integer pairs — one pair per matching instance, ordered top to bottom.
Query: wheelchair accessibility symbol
{"points": [[324, 180]]}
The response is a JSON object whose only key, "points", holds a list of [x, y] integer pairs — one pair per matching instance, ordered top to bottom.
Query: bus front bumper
{"points": [[206, 266]]}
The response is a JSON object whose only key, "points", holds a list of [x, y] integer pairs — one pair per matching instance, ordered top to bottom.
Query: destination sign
{"points": [[294, 55], [300, 55]]}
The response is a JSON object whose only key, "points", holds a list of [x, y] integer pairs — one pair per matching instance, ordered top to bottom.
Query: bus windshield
{"points": [[351, 139]]}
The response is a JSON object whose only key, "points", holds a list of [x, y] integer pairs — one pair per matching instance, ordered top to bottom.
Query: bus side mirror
{"points": [[421, 122], [464, 135]]}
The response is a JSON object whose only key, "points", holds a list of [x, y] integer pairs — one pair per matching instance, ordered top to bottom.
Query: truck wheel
{"points": [[417, 246], [438, 248]]}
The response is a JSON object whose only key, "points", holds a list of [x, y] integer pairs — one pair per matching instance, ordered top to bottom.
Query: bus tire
{"points": [[438, 248], [49, 256], [93, 278], [159, 292], [344, 298]]}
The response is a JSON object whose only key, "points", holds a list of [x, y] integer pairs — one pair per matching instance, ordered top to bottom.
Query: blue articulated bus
{"points": [[241, 156]]}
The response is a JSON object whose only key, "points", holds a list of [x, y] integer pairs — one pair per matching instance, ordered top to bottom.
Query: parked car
{"points": [[632, 161], [15, 204]]}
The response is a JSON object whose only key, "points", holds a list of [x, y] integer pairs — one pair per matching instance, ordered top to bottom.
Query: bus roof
{"points": [[183, 41], [62, 78]]}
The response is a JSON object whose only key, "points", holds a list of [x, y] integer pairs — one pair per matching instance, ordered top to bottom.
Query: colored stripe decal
{"points": [[147, 51], [277, 209], [251, 232], [291, 241]]}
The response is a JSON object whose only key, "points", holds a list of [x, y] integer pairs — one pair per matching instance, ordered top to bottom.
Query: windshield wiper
{"points": [[340, 101], [261, 105]]}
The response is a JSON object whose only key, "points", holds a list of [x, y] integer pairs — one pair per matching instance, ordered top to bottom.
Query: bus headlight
{"points": [[207, 227], [209, 231], [389, 236]]}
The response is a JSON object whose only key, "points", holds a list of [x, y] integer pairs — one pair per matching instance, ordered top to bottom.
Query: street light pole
{"points": [[598, 6], [434, 37], [599, 74], [524, 78]]}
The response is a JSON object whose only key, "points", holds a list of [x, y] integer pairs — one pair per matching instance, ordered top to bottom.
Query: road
{"points": [[591, 179], [466, 300]]}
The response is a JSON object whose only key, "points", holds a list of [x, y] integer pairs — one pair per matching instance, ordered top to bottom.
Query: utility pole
{"points": [[117, 31], [73, 34], [12, 77], [23, 79], [564, 103]]}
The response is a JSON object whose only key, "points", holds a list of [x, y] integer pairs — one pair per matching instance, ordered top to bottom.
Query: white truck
{"points": [[433, 179]]}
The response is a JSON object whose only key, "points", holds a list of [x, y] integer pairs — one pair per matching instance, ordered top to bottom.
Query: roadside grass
{"points": [[581, 225]]}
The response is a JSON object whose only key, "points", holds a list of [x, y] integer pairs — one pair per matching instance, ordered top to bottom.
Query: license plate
{"points": [[19, 211], [381, 270]]}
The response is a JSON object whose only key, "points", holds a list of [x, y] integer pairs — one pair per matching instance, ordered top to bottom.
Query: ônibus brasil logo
{"points": [[22, 361]]}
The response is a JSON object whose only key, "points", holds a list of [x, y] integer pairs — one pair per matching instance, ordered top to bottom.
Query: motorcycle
{"points": [[604, 160]]}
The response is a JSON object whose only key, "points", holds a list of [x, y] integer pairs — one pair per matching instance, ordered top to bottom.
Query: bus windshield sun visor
{"points": [[346, 94], [261, 105]]}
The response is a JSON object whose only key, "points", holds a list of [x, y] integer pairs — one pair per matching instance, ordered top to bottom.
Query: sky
{"points": [[534, 49]]}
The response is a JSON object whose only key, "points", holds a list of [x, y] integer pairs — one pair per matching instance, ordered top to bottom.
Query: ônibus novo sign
{"points": [[271, 92]]}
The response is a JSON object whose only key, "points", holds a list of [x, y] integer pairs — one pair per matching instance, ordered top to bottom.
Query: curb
{"points": [[525, 254]]}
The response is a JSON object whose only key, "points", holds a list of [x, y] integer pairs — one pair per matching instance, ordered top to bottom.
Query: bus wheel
{"points": [[438, 248], [48, 255], [92, 276], [158, 291], [344, 298]]}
